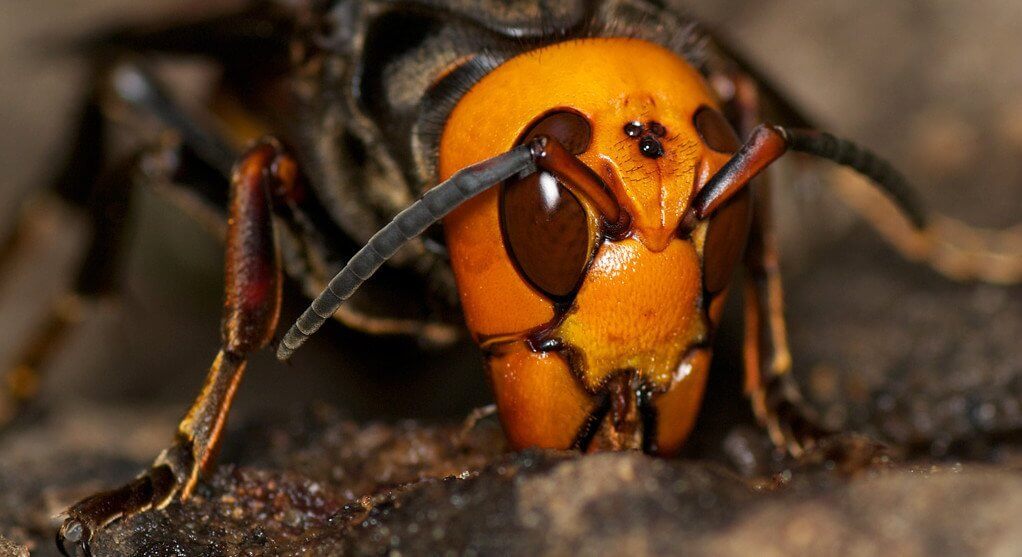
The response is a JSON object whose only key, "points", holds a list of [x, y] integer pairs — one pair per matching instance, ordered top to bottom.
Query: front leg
{"points": [[251, 311], [773, 392], [775, 396], [776, 399]]}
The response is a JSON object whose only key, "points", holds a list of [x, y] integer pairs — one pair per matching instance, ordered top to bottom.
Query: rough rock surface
{"points": [[322, 486], [610, 504], [11, 549]]}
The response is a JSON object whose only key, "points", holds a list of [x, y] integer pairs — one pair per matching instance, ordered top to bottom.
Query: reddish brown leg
{"points": [[951, 247], [251, 312], [775, 396], [776, 400]]}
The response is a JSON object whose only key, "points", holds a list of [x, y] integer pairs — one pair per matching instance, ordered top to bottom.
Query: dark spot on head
{"points": [[633, 129], [657, 129], [651, 147]]}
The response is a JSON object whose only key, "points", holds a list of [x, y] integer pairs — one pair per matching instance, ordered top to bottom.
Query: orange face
{"points": [[595, 332]]}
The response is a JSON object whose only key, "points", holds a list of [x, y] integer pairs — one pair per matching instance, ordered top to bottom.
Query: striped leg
{"points": [[251, 312], [769, 383], [776, 400]]}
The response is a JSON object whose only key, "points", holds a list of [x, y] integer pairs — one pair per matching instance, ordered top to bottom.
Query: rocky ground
{"points": [[883, 347], [317, 485]]}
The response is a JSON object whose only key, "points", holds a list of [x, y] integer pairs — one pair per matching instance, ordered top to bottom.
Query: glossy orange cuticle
{"points": [[639, 306]]}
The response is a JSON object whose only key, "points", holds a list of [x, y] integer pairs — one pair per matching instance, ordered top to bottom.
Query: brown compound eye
{"points": [[571, 129], [715, 131], [545, 226], [728, 229], [546, 230]]}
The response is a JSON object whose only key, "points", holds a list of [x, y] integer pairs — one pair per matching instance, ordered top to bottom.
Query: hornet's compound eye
{"points": [[571, 129], [715, 131], [545, 227], [728, 230], [547, 233]]}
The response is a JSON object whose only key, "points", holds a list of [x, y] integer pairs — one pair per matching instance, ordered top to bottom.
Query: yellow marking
{"points": [[637, 310]]}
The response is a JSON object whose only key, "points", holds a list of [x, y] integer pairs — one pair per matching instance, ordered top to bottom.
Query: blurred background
{"points": [[933, 85]]}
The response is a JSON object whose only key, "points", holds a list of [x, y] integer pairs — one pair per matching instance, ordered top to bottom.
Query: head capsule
{"points": [[594, 311]]}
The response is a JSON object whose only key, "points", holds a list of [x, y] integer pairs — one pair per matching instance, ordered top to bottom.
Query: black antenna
{"points": [[768, 143], [865, 162], [434, 205]]}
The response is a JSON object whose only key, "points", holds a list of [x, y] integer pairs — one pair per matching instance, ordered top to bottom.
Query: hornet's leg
{"points": [[90, 184], [103, 194], [951, 247], [96, 279], [251, 312], [770, 385], [776, 400]]}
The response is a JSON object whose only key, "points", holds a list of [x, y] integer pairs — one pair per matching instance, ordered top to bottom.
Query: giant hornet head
{"points": [[591, 302]]}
